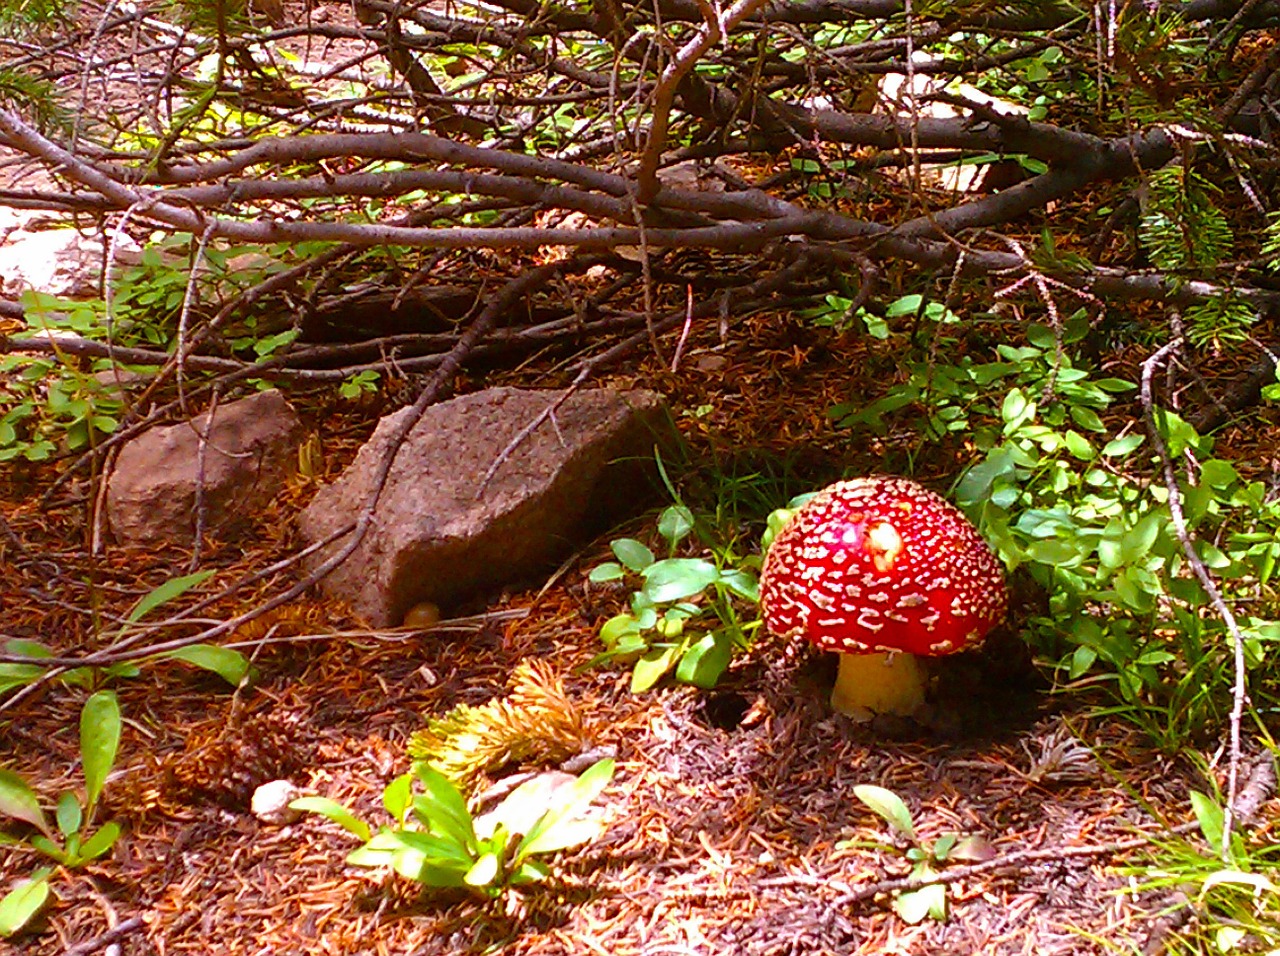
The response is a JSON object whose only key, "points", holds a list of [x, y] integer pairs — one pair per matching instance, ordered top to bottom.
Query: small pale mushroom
{"points": [[882, 571]]}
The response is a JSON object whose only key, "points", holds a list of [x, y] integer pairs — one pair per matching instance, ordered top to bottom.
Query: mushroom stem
{"points": [[878, 683]]}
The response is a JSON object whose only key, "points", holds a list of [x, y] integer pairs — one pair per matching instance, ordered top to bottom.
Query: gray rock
{"points": [[60, 262], [252, 451], [433, 538]]}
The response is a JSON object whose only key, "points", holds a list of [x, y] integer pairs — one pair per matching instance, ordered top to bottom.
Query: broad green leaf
{"points": [[1014, 406], [1087, 418], [1078, 445], [1119, 447], [1217, 473], [675, 523], [633, 555], [609, 571], [677, 578], [741, 583], [165, 593], [1081, 660], [704, 662], [229, 664], [651, 667], [18, 675], [99, 740], [397, 796], [19, 801], [889, 806], [444, 807], [335, 812], [68, 814], [1210, 817], [563, 827], [101, 842], [483, 871], [23, 902], [926, 902]]}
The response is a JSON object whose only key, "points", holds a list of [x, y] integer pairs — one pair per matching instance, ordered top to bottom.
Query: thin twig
{"points": [[1239, 692]]}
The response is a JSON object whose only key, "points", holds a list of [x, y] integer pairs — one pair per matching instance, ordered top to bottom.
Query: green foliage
{"points": [[22, 17], [33, 96], [1181, 227], [1271, 243], [1220, 321], [362, 383], [1082, 511], [666, 628], [229, 664], [537, 721], [70, 840], [437, 842], [926, 858], [1235, 893]]}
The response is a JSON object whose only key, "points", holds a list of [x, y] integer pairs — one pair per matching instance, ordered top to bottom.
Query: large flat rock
{"points": [[251, 450], [438, 536]]}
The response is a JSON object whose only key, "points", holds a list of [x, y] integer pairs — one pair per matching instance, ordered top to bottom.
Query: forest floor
{"points": [[732, 826]]}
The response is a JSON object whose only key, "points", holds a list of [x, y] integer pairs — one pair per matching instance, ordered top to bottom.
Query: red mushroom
{"points": [[881, 570]]}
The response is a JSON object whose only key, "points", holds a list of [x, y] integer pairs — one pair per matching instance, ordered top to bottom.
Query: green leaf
{"points": [[1014, 406], [1087, 418], [1079, 446], [1119, 447], [1217, 473], [675, 523], [633, 555], [608, 571], [678, 578], [166, 592], [704, 662], [229, 664], [651, 667], [99, 740], [397, 796], [19, 801], [889, 806], [444, 807], [335, 812], [68, 814], [1211, 817], [563, 826], [100, 842], [483, 871], [23, 902], [918, 905]]}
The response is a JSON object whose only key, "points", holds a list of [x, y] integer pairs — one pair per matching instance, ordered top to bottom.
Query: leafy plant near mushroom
{"points": [[683, 616], [435, 840], [926, 858]]}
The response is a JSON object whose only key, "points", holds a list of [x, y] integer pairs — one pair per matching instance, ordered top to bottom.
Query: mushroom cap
{"points": [[882, 564]]}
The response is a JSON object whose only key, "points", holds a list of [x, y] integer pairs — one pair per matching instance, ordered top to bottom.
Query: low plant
{"points": [[684, 616], [229, 664], [71, 840], [436, 841], [926, 857], [1232, 885]]}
